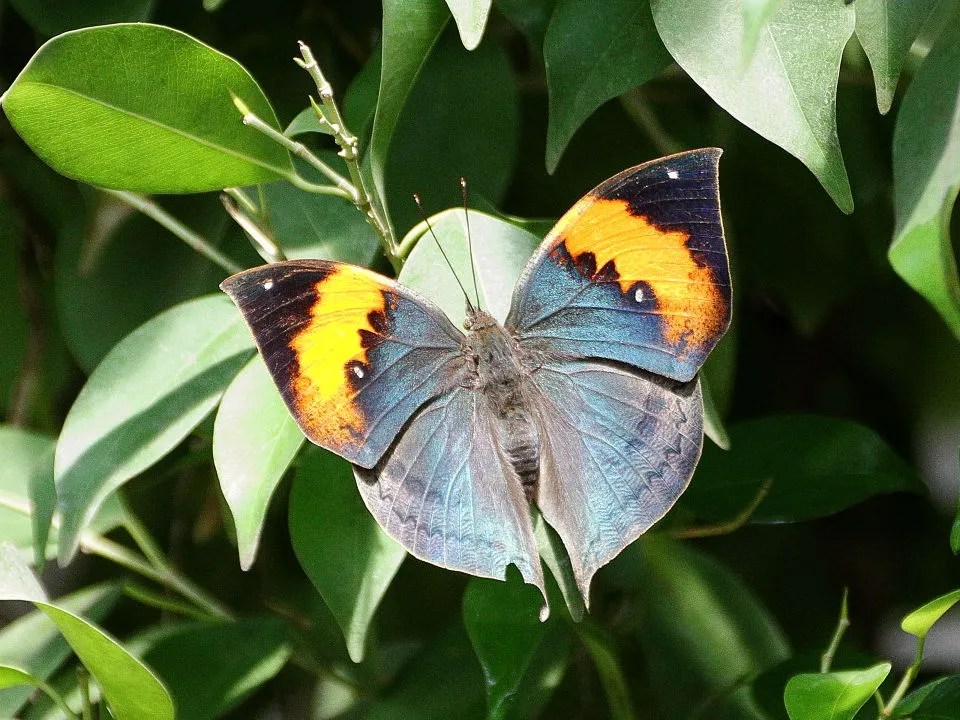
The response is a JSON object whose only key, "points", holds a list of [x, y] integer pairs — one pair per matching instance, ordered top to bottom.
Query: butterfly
{"points": [[585, 403]]}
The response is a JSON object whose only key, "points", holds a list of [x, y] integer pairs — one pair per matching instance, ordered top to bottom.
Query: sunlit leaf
{"points": [[756, 15], [471, 18], [410, 29], [886, 30], [595, 50], [787, 92], [162, 120], [306, 121], [926, 177], [141, 401], [254, 441], [815, 465], [27, 473], [346, 555], [922, 619], [32, 642], [130, 687], [834, 695], [937, 700]]}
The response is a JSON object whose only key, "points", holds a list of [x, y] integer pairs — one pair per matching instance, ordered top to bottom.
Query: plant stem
{"points": [[329, 114], [191, 238], [265, 245], [725, 528], [843, 622], [906, 681], [83, 682], [57, 698]]}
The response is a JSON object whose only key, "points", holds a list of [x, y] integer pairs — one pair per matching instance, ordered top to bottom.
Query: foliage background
{"points": [[824, 326]]}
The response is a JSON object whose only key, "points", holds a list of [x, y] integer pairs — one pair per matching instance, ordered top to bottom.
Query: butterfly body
{"points": [[584, 403]]}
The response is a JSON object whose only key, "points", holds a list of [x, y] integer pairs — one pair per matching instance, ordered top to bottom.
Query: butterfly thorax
{"points": [[500, 381]]}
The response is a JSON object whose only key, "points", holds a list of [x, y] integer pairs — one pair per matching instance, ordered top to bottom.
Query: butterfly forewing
{"points": [[635, 272], [353, 353]]}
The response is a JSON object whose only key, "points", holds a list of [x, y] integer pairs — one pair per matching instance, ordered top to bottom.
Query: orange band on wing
{"points": [[688, 298], [325, 349]]}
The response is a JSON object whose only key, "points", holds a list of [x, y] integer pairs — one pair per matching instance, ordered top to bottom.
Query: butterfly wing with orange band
{"points": [[353, 353]]}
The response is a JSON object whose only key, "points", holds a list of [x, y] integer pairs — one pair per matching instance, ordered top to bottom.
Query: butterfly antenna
{"points": [[416, 199], [466, 215]]}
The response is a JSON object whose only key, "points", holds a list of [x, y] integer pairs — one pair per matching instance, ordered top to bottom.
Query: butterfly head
{"points": [[478, 319]]}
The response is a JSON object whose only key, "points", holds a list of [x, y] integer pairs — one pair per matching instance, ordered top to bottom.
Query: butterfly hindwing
{"points": [[635, 272], [353, 353], [618, 448], [442, 492]]}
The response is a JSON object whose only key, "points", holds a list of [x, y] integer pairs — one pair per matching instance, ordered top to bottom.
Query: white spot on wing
{"points": [[673, 174], [268, 284], [638, 295], [358, 371]]}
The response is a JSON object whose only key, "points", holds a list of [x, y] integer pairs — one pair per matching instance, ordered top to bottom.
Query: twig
{"points": [[725, 528], [843, 622]]}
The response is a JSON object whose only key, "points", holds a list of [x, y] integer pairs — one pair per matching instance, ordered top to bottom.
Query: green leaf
{"points": [[756, 15], [52, 17], [531, 17], [471, 19], [410, 29], [886, 30], [595, 50], [787, 92], [160, 120], [306, 121], [474, 132], [926, 177], [307, 225], [500, 250], [145, 397], [713, 426], [254, 441], [816, 465], [27, 473], [554, 554], [346, 555], [922, 619], [503, 622], [703, 631], [33, 642], [604, 656], [12, 677], [206, 681], [442, 682], [130, 687], [834, 695], [937, 700]]}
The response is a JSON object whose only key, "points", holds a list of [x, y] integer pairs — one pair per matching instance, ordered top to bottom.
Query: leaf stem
{"points": [[161, 216], [265, 245], [729, 526], [843, 622], [906, 681], [83, 683], [57, 698]]}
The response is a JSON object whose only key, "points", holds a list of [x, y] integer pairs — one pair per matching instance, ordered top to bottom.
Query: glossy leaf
{"points": [[756, 15], [52, 17], [471, 19], [410, 29], [886, 30], [595, 50], [787, 92], [479, 104], [160, 121], [926, 177], [307, 225], [500, 250], [141, 401], [254, 441], [816, 466], [27, 473], [346, 555], [922, 619], [502, 620], [703, 630], [32, 642], [601, 649], [12, 677], [206, 681], [130, 687], [834, 695], [938, 700]]}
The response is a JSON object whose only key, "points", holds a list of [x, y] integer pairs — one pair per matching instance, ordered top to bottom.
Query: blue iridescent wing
{"points": [[635, 272], [353, 353], [618, 448], [442, 493]]}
